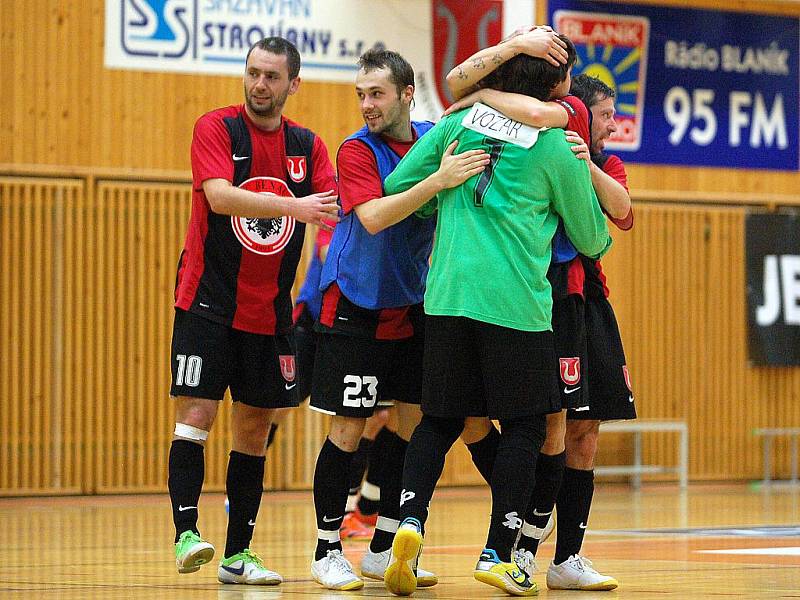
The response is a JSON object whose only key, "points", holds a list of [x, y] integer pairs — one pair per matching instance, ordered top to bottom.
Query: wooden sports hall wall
{"points": [[94, 200]]}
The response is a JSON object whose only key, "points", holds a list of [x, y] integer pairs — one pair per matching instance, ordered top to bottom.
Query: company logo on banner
{"points": [[157, 28], [212, 36], [613, 48], [723, 87], [773, 288]]}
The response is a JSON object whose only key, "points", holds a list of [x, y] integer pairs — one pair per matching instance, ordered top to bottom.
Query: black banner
{"points": [[772, 244]]}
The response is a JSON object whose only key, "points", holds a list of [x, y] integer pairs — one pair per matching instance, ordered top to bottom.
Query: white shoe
{"points": [[548, 529], [525, 561], [374, 565], [246, 567], [335, 572], [576, 573]]}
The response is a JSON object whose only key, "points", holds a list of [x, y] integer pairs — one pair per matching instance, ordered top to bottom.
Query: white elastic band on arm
{"points": [[182, 430], [370, 491], [387, 524], [532, 531], [329, 536]]}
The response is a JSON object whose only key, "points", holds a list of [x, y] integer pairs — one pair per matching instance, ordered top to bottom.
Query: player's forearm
{"points": [[463, 78], [527, 110], [613, 197], [232, 200], [380, 213], [584, 222], [589, 235]]}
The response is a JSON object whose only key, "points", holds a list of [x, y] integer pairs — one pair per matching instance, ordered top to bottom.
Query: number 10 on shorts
{"points": [[188, 372], [352, 393]]}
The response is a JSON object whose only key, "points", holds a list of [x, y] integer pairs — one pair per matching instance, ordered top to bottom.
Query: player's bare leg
{"points": [[569, 570]]}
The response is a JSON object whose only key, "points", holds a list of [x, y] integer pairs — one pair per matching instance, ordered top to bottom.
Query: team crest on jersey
{"points": [[612, 48], [296, 165], [269, 235], [287, 366], [570, 370], [627, 377]]}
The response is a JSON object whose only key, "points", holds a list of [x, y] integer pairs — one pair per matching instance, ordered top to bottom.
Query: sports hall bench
{"points": [[768, 434], [637, 469]]}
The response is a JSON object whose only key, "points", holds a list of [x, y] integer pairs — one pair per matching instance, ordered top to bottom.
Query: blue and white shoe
{"points": [[507, 576]]}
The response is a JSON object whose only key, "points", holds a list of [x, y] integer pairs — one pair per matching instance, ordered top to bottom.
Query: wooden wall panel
{"points": [[63, 107], [140, 229], [87, 270], [678, 288], [40, 405], [75, 418]]}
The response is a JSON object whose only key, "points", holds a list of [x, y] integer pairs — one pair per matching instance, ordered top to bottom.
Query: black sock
{"points": [[273, 427], [484, 452], [377, 460], [424, 463], [358, 465], [549, 472], [513, 480], [185, 482], [244, 484], [391, 487], [330, 495], [572, 506]]}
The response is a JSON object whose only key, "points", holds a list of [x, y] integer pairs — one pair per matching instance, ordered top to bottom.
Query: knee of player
{"points": [[196, 412], [446, 428], [475, 429], [556, 430], [184, 431], [345, 432], [581, 438], [553, 443]]}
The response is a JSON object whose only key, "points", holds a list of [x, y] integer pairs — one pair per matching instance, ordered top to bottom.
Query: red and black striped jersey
{"points": [[237, 270], [583, 275], [594, 279]]}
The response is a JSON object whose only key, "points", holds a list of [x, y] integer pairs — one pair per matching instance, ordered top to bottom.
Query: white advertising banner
{"points": [[212, 36]]}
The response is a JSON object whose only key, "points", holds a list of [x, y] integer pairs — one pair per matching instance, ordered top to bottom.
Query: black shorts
{"points": [[569, 331], [305, 343], [209, 357], [479, 369], [353, 376], [610, 392]]}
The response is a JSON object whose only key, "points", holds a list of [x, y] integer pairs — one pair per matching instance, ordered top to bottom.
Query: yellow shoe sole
{"points": [[399, 577], [424, 581], [428, 581], [500, 583]]}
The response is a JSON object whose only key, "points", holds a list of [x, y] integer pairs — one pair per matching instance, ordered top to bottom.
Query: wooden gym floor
{"points": [[714, 541]]}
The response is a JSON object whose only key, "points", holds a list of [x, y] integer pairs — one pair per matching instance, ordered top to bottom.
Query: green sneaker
{"points": [[191, 551], [246, 567]]}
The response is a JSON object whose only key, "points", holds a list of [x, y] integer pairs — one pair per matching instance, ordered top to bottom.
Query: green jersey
{"points": [[492, 247]]}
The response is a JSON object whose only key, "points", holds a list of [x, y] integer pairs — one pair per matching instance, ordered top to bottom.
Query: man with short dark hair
{"points": [[257, 179], [369, 351]]}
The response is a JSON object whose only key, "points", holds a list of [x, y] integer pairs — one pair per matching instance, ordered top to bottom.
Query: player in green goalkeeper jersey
{"points": [[488, 341]]}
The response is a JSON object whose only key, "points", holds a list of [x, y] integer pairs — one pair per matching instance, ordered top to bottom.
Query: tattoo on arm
{"points": [[497, 59], [478, 64], [461, 74]]}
